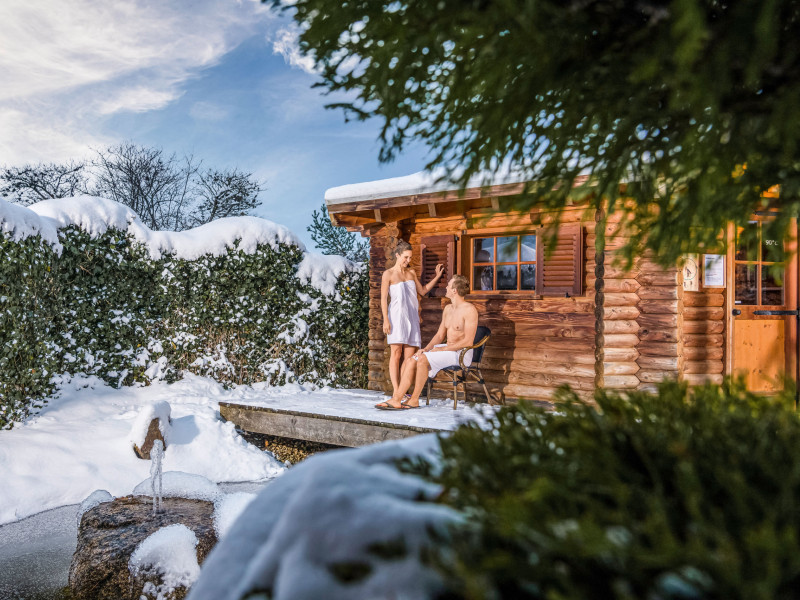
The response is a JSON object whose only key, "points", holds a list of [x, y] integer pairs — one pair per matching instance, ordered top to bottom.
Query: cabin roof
{"points": [[415, 184]]}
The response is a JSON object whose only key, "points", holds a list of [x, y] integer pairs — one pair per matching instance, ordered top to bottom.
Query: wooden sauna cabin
{"points": [[561, 314]]}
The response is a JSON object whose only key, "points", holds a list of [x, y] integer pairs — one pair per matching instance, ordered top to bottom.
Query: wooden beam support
{"points": [[432, 209], [377, 213], [326, 429]]}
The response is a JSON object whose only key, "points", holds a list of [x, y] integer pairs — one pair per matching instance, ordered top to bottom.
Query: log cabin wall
{"points": [[640, 308], [630, 328], [704, 336], [537, 344]]}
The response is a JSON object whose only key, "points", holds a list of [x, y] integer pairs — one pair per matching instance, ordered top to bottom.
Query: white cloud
{"points": [[285, 44], [65, 64]]}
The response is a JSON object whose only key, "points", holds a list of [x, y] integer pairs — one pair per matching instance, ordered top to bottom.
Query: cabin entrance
{"points": [[762, 296]]}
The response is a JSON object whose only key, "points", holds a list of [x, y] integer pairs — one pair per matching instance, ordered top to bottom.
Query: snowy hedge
{"points": [[86, 288]]}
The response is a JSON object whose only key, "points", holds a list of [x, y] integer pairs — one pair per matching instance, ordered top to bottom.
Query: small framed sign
{"points": [[714, 270], [691, 273]]}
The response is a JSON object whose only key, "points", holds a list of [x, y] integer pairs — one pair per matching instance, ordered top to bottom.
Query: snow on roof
{"points": [[424, 182], [95, 216]]}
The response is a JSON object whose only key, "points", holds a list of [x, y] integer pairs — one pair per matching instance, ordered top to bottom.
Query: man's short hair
{"points": [[460, 284]]}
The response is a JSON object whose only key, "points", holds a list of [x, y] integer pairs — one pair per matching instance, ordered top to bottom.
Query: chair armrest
{"points": [[463, 351]]}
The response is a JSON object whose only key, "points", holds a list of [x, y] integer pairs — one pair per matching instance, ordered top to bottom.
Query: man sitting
{"points": [[459, 323]]}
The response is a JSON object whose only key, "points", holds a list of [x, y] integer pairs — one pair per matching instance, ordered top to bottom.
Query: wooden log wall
{"points": [[640, 312], [631, 328], [704, 336], [537, 344]]}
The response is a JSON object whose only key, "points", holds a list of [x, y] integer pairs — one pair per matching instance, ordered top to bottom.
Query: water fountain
{"points": [[156, 475]]}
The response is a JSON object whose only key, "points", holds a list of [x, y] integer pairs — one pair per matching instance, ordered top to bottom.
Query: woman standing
{"points": [[401, 315]]}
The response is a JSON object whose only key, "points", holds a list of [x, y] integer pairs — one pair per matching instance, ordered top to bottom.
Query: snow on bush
{"points": [[87, 290], [157, 410], [177, 484], [341, 525], [170, 552]]}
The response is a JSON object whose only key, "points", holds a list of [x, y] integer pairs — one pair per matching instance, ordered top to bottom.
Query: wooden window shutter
{"points": [[437, 249], [560, 268]]}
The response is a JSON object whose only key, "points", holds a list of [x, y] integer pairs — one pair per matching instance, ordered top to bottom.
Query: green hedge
{"points": [[104, 308], [683, 494]]}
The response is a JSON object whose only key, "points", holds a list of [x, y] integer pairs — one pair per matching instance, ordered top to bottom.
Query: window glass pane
{"points": [[747, 242], [528, 247], [507, 249], [484, 250], [771, 250], [528, 273], [507, 277], [483, 278], [746, 284], [771, 286]]}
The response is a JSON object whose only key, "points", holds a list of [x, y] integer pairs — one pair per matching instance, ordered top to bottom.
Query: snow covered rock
{"points": [[151, 424], [177, 484], [111, 532], [165, 563]]}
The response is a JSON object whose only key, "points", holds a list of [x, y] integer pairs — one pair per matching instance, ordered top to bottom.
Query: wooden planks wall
{"points": [[630, 329], [704, 336], [537, 344]]}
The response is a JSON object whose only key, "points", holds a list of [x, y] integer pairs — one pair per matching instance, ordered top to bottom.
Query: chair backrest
{"points": [[480, 333]]}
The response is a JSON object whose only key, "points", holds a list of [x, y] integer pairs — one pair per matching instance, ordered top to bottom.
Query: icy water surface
{"points": [[35, 553]]}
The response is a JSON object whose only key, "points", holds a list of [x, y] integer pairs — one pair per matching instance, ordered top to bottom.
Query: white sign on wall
{"points": [[714, 270]]}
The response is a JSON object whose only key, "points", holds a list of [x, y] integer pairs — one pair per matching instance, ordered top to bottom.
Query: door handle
{"points": [[736, 312]]}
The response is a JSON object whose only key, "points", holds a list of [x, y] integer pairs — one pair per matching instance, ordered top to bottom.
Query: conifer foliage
{"points": [[691, 103], [687, 493]]}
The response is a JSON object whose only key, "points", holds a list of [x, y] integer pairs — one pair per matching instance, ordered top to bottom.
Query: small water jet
{"points": [[156, 475]]}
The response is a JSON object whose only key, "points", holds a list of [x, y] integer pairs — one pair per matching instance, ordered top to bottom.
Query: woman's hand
{"points": [[439, 270], [387, 327]]}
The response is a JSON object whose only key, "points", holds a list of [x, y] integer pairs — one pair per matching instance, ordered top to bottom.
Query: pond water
{"points": [[35, 553]]}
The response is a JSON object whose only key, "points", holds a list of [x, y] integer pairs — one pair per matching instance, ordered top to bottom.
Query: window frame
{"points": [[472, 236]]}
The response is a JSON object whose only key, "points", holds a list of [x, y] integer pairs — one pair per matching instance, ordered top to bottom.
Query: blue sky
{"points": [[219, 79]]}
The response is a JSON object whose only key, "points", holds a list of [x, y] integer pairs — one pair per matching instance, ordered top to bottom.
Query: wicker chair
{"points": [[460, 374]]}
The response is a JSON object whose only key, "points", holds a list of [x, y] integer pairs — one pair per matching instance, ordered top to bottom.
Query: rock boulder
{"points": [[109, 533]]}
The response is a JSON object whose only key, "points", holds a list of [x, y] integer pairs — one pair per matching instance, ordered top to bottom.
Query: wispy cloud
{"points": [[285, 44], [66, 64]]}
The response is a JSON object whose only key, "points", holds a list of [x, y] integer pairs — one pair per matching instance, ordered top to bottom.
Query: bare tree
{"points": [[35, 182], [156, 186], [224, 193]]}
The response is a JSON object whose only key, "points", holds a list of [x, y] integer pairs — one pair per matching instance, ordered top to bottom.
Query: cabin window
{"points": [[528, 262], [504, 263], [758, 267]]}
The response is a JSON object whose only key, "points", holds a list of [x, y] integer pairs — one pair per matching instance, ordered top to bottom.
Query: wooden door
{"points": [[763, 304]]}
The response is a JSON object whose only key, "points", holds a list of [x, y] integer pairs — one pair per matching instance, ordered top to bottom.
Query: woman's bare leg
{"points": [[396, 352]]}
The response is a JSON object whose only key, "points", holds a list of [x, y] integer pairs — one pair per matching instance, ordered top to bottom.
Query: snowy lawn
{"points": [[79, 443]]}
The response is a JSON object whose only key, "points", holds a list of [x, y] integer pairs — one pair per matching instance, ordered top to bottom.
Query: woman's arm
{"points": [[422, 290], [387, 326]]}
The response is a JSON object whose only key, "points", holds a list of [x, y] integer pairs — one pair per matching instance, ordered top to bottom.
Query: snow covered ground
{"points": [[79, 443]]}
